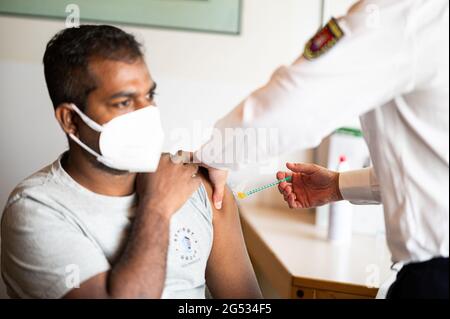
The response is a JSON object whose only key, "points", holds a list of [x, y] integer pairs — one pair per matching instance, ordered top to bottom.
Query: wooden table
{"points": [[294, 256]]}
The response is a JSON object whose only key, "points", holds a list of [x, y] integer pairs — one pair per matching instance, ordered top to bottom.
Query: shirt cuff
{"points": [[360, 186]]}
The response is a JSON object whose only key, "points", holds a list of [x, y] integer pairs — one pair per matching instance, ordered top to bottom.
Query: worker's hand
{"points": [[218, 180], [311, 186], [166, 190]]}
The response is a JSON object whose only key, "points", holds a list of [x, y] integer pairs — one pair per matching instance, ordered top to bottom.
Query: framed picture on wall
{"points": [[220, 16]]}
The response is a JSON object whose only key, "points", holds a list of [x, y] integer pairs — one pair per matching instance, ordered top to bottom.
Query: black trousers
{"points": [[425, 280]]}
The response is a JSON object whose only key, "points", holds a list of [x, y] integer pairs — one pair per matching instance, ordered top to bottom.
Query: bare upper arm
{"points": [[237, 279], [93, 288]]}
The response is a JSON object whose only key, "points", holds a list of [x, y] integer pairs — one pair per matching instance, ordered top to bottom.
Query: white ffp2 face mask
{"points": [[131, 142]]}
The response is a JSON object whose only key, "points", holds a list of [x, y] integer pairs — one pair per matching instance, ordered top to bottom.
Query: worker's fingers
{"points": [[302, 168], [281, 175], [218, 179], [282, 186], [288, 189], [219, 191], [286, 196], [292, 201]]}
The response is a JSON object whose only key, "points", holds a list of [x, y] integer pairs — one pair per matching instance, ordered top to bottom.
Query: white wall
{"points": [[200, 76]]}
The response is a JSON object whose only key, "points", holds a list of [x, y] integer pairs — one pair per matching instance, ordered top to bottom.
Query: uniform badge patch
{"points": [[324, 40]]}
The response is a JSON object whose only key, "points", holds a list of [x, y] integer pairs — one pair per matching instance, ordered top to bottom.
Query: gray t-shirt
{"points": [[55, 233]]}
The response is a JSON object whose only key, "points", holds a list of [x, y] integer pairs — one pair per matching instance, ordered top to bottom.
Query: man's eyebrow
{"points": [[153, 87], [122, 94], [130, 94]]}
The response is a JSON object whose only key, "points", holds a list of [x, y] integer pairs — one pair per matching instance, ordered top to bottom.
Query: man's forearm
{"points": [[141, 269]]}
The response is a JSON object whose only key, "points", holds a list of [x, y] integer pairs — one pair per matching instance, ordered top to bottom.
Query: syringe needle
{"points": [[242, 195]]}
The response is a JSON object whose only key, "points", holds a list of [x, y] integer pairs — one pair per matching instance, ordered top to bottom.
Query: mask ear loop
{"points": [[93, 125], [87, 148], [99, 157]]}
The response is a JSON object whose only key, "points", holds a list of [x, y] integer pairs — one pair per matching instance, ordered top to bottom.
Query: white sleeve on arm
{"points": [[308, 100], [360, 187], [44, 255]]}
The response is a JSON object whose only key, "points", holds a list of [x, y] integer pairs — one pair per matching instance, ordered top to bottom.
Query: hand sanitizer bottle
{"points": [[340, 217]]}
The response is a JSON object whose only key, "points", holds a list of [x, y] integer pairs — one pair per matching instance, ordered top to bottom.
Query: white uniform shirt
{"points": [[394, 74]]}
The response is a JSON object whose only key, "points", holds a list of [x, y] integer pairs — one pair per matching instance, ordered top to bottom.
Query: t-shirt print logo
{"points": [[186, 245]]}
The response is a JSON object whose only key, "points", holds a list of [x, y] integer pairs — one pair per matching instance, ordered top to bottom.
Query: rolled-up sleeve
{"points": [[360, 187]]}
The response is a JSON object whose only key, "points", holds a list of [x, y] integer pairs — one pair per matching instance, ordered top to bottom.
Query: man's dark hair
{"points": [[67, 56]]}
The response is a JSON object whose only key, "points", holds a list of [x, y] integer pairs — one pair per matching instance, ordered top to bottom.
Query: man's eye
{"points": [[151, 95], [123, 104]]}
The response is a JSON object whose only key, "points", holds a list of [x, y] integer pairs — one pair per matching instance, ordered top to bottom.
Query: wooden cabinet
{"points": [[293, 259], [303, 293], [311, 293]]}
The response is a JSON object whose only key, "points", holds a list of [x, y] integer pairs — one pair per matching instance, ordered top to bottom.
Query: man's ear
{"points": [[66, 118]]}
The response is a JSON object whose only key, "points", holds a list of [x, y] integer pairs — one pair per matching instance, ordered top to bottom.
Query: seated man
{"points": [[81, 229]]}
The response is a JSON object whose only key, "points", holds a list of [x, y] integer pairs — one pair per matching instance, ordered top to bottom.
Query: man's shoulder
{"points": [[34, 191]]}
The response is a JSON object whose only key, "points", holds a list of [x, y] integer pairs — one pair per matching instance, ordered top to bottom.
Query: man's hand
{"points": [[217, 177], [311, 186], [169, 187]]}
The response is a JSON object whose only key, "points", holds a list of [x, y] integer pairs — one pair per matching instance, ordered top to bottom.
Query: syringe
{"points": [[242, 195]]}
